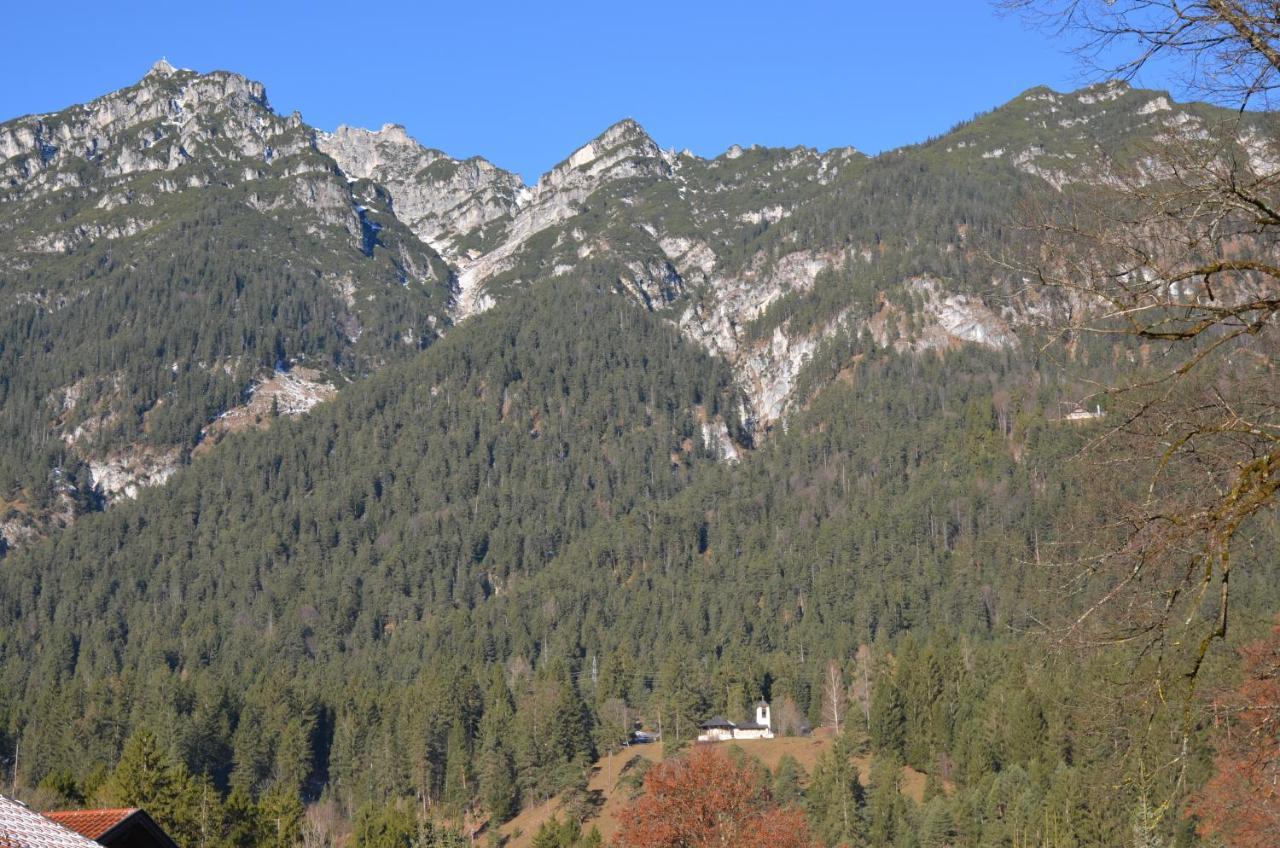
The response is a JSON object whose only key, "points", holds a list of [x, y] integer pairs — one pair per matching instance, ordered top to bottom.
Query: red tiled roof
{"points": [[91, 823]]}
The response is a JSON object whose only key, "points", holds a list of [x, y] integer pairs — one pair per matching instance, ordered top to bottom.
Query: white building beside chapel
{"points": [[720, 729]]}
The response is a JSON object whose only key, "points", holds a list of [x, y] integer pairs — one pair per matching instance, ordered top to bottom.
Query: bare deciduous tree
{"points": [[1228, 50], [1178, 248], [833, 695], [787, 718], [323, 826]]}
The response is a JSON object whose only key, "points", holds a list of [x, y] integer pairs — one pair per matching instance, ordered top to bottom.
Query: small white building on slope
{"points": [[720, 729]]}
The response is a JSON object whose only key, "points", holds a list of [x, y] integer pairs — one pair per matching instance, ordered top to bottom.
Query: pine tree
{"points": [[888, 717], [571, 725], [610, 725], [1025, 728], [293, 751], [251, 754], [497, 771], [144, 776], [150, 778], [457, 781], [788, 781], [835, 799], [886, 808], [280, 817], [387, 826], [245, 828], [938, 829]]}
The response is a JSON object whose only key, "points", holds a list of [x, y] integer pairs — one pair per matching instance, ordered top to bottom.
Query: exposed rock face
{"points": [[169, 118], [172, 132], [623, 152], [443, 200], [610, 204], [585, 212], [477, 215], [957, 318], [767, 369], [769, 372], [290, 393], [715, 435], [125, 474]]}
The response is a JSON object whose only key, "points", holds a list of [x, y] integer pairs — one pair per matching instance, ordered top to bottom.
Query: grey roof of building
{"points": [[717, 721], [23, 827]]}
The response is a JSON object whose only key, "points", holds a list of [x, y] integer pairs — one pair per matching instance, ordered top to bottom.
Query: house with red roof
{"points": [[23, 827], [128, 827]]}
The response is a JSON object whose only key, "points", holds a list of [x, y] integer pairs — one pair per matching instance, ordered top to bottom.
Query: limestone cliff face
{"points": [[169, 118], [172, 132], [622, 153], [110, 169], [445, 201], [477, 215], [662, 223], [669, 227]]}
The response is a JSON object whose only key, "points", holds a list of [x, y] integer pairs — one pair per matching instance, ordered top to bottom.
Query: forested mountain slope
{"points": [[168, 246], [162, 249], [536, 493]]}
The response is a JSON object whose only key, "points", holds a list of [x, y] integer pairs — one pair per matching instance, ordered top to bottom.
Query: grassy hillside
{"points": [[610, 791]]}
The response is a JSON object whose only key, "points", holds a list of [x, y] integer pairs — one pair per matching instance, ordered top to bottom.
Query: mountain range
{"points": [[364, 246], [302, 433]]}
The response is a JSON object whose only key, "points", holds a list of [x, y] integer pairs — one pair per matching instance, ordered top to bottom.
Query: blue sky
{"points": [[523, 84]]}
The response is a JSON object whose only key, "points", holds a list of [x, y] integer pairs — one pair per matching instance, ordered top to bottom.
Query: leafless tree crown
{"points": [[1178, 248]]}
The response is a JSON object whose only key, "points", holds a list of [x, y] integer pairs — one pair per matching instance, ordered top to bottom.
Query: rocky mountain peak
{"points": [[162, 68], [156, 124], [627, 129], [396, 134], [624, 139], [362, 152], [624, 154], [115, 159], [446, 202], [701, 241]]}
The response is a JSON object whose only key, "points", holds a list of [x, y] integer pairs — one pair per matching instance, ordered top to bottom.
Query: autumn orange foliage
{"points": [[704, 799], [1240, 805]]}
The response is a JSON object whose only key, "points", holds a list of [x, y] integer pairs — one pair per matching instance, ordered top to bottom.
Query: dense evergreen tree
{"points": [[836, 801]]}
